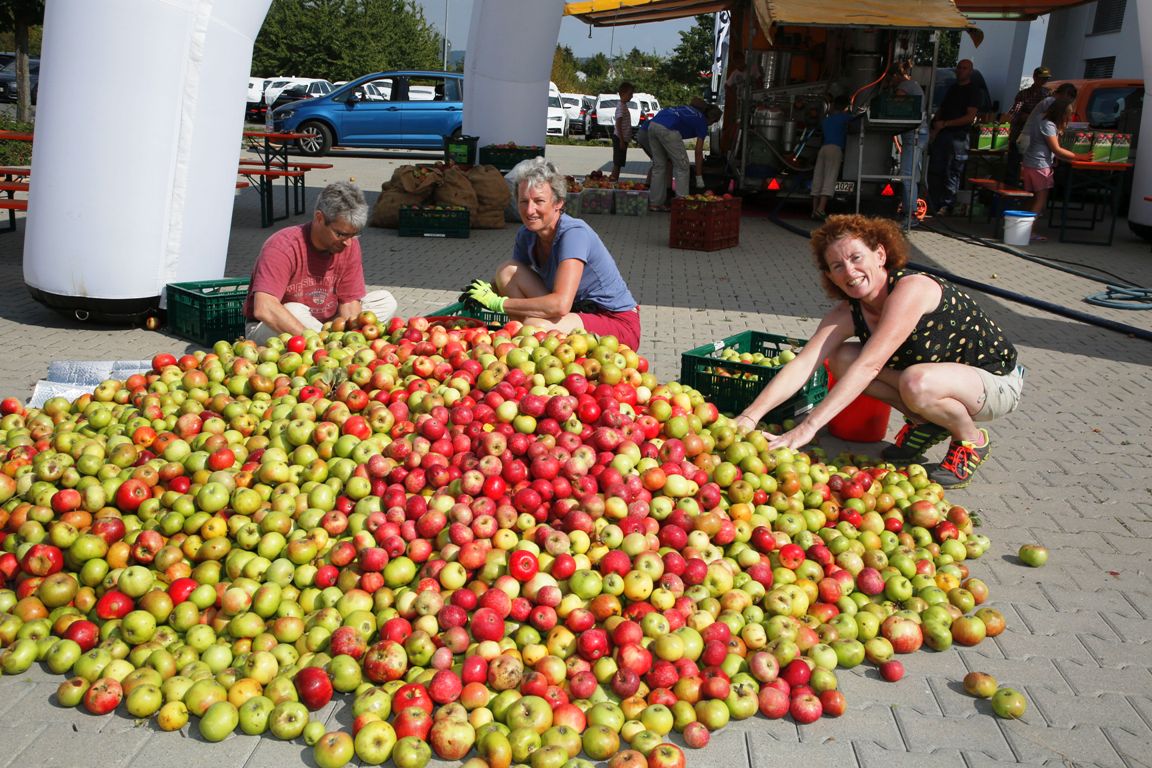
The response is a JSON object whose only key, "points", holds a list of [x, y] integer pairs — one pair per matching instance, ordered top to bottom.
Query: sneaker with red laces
{"points": [[913, 440], [961, 462]]}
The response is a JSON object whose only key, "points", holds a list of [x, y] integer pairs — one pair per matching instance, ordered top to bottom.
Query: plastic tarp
{"points": [[611, 13], [898, 14], [506, 82], [134, 189], [72, 378]]}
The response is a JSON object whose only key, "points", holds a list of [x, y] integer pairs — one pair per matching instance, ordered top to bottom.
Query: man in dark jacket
{"points": [[948, 134]]}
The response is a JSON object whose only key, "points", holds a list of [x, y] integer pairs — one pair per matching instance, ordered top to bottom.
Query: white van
{"points": [[648, 107]]}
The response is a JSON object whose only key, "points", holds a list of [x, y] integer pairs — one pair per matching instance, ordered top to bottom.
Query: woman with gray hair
{"points": [[310, 274], [560, 276]]}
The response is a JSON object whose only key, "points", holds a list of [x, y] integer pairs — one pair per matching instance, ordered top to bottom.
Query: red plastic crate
{"points": [[704, 225]]}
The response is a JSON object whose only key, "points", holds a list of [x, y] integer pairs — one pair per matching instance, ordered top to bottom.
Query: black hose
{"points": [[992, 290]]}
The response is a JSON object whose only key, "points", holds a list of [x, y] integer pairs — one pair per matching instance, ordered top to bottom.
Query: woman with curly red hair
{"points": [[923, 346]]}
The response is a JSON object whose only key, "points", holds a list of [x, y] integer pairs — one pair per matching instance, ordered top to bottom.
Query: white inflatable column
{"points": [[511, 44], [133, 186], [1139, 209]]}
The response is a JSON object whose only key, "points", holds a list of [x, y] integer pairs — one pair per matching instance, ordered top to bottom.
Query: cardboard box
{"points": [[986, 132], [1000, 137], [1081, 142], [1121, 143], [1102, 148]]}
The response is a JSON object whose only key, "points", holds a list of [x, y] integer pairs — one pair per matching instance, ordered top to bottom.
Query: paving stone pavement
{"points": [[1070, 469]]}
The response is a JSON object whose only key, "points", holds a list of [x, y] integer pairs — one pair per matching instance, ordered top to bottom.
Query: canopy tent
{"points": [[609, 13]]}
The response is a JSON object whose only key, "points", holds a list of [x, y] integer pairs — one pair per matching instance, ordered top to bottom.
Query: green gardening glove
{"points": [[482, 293]]}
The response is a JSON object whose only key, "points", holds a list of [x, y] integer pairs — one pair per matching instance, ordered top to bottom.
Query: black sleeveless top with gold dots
{"points": [[957, 331]]}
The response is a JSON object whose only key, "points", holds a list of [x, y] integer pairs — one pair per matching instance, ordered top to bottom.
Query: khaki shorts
{"points": [[1001, 393]]}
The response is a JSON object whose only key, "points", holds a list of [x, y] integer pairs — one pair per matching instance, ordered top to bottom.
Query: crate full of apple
{"points": [[505, 156], [434, 221], [704, 222], [733, 371], [484, 543]]}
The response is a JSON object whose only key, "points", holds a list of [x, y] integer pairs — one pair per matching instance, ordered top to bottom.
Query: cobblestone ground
{"points": [[1070, 469]]}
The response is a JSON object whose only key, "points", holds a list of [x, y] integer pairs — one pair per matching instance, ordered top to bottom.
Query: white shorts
{"points": [[827, 170], [1001, 393]]}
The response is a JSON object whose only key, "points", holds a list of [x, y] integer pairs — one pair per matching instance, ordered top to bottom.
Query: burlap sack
{"points": [[418, 179], [455, 189], [492, 195], [386, 212], [492, 219]]}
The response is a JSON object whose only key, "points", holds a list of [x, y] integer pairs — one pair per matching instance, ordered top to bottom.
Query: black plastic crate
{"points": [[420, 221]]}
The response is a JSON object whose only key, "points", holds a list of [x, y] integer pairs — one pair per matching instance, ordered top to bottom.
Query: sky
{"points": [[659, 37]]}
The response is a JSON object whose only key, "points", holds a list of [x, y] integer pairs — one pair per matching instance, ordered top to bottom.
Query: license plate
{"points": [[846, 186]]}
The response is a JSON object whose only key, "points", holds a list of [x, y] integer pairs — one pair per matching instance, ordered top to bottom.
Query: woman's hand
{"points": [[482, 292], [745, 423], [795, 438]]}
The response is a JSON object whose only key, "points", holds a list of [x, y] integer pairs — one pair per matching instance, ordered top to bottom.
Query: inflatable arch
{"points": [[131, 194], [1139, 209]]}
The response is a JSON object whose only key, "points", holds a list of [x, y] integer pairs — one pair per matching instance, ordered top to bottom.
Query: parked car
{"points": [[316, 87], [8, 90], [301, 91], [572, 103], [1103, 104], [649, 106], [254, 111], [412, 115], [604, 115], [557, 118], [579, 124]]}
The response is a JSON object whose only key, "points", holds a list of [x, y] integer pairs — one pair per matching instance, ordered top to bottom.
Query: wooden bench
{"points": [[263, 178], [299, 186], [999, 196], [11, 203]]}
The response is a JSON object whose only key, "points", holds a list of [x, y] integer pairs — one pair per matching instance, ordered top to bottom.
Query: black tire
{"points": [[319, 141], [1143, 231]]}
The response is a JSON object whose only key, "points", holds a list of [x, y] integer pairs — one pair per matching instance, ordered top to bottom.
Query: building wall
{"points": [[1070, 42], [1009, 50]]}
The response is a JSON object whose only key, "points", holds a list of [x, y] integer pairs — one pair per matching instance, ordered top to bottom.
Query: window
{"points": [[1109, 16], [1099, 69], [1107, 105]]}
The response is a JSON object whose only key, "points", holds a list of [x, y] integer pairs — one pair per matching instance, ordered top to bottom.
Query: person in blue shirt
{"points": [[667, 132], [827, 169], [560, 276]]}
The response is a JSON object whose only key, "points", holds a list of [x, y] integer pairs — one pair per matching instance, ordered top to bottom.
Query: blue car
{"points": [[387, 110]]}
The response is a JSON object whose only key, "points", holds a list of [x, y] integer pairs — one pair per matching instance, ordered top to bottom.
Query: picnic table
{"points": [[271, 150], [15, 180], [1091, 187]]}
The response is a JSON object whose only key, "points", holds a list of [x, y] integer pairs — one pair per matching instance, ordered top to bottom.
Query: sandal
{"points": [[659, 208], [1039, 239]]}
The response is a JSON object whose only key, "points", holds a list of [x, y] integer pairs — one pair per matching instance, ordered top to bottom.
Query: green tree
{"points": [[19, 17], [343, 39], [949, 49], [694, 53], [564, 68], [596, 69]]}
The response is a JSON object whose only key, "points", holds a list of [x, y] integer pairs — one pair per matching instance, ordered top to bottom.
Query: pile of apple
{"points": [[503, 541]]}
